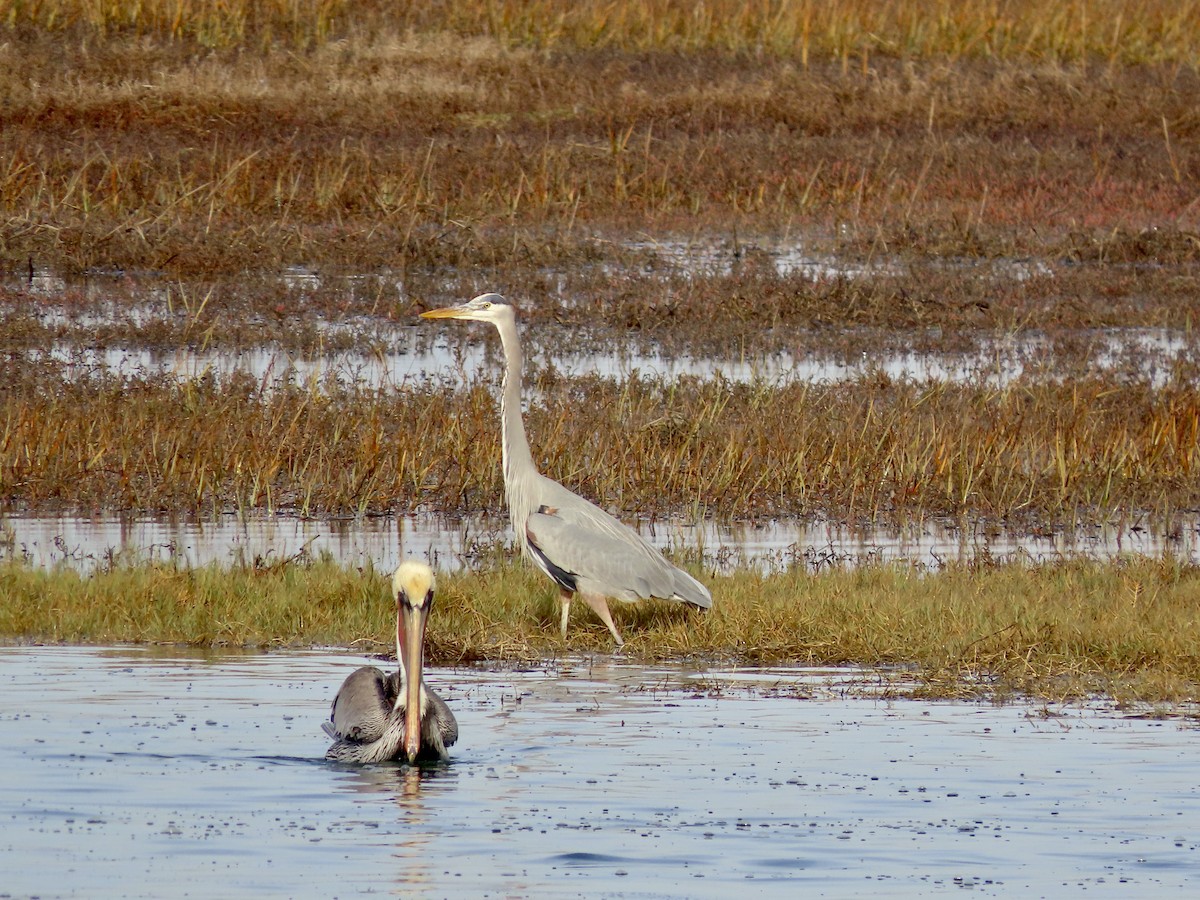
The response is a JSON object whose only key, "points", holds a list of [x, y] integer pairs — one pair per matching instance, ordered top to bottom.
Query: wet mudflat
{"points": [[162, 772]]}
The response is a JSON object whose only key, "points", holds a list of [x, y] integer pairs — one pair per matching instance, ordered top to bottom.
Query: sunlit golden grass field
{"points": [[1062, 632]]}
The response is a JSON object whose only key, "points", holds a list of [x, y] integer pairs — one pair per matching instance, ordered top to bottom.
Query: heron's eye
{"points": [[487, 304]]}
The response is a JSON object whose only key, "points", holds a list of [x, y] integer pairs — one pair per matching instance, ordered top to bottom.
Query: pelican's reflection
{"points": [[403, 782], [400, 801]]}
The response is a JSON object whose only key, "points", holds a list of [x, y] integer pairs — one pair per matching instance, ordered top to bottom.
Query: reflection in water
{"points": [[452, 543], [398, 780], [404, 785]]}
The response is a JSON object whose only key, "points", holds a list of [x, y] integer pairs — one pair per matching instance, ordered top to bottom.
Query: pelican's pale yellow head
{"points": [[415, 580]]}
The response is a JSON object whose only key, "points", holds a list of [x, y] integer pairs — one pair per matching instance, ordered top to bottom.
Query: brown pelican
{"points": [[582, 548], [379, 717]]}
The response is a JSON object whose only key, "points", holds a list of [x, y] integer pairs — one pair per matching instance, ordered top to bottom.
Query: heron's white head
{"points": [[484, 308]]}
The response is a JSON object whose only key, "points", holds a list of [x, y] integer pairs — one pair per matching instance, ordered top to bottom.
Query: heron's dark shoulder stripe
{"points": [[564, 579]]}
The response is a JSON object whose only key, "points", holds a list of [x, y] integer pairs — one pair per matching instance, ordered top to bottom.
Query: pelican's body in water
{"points": [[579, 546], [379, 717]]}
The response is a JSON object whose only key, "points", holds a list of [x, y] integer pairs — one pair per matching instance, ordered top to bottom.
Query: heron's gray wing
{"points": [[580, 556], [362, 705]]}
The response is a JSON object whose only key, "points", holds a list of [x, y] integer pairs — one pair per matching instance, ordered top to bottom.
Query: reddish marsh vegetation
{"points": [[215, 138], [871, 448]]}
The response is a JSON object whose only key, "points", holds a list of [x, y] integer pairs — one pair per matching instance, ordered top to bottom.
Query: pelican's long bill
{"points": [[410, 649]]}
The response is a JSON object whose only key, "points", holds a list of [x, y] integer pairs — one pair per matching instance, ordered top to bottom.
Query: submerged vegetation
{"points": [[1067, 631]]}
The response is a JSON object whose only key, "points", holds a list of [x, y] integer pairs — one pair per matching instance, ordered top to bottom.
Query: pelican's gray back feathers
{"points": [[366, 727]]}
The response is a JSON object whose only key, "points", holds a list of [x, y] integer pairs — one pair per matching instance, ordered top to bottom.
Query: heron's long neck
{"points": [[519, 468]]}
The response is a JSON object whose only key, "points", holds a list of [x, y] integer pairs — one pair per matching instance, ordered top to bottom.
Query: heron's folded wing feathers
{"points": [[616, 563]]}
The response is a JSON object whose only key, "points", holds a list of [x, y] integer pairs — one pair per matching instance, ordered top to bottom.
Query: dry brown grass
{"points": [[852, 31], [201, 138], [521, 150], [1036, 451]]}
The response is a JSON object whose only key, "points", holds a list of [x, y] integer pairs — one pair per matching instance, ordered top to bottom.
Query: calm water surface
{"points": [[416, 355], [451, 543], [136, 772]]}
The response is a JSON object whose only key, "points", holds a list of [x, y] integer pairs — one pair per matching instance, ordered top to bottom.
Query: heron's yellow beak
{"points": [[446, 312]]}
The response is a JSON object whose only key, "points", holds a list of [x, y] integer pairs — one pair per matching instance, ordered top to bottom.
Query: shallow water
{"points": [[789, 256], [400, 354], [412, 354], [451, 543], [141, 772]]}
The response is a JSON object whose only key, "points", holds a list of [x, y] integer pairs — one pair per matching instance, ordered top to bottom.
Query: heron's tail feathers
{"points": [[689, 590]]}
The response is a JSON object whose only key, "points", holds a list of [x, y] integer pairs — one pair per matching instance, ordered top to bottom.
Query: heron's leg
{"points": [[564, 597], [599, 603]]}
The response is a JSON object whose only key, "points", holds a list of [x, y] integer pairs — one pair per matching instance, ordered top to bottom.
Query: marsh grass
{"points": [[851, 31], [201, 137], [525, 147], [877, 449], [1068, 631]]}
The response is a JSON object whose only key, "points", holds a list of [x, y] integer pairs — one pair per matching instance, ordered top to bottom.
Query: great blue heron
{"points": [[582, 548], [379, 717]]}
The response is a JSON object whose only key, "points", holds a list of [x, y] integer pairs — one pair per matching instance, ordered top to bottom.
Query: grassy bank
{"points": [[1124, 630]]}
